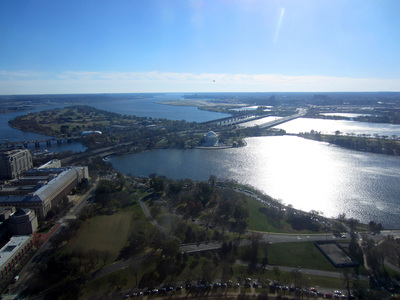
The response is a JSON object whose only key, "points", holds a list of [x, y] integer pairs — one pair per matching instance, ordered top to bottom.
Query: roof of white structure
{"points": [[211, 133], [55, 184], [12, 247]]}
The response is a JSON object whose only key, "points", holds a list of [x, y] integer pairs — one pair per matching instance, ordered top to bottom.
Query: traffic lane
{"points": [[286, 238]]}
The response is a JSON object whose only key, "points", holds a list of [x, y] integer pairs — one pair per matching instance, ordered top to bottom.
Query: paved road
{"points": [[305, 271]]}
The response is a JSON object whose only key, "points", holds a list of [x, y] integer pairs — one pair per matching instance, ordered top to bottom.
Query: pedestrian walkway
{"points": [[40, 238]]}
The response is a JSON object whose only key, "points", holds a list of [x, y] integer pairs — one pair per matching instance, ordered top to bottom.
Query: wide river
{"points": [[306, 174]]}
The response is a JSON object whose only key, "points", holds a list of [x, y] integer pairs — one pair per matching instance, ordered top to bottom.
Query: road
{"points": [[305, 271]]}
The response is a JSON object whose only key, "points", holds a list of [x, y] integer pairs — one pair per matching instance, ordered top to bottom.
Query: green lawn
{"points": [[257, 220], [108, 232], [303, 254]]}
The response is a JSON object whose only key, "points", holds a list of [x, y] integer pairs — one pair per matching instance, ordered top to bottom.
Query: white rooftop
{"points": [[55, 184], [11, 247]]}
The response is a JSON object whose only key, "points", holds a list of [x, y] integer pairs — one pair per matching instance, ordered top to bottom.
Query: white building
{"points": [[211, 139], [12, 253]]}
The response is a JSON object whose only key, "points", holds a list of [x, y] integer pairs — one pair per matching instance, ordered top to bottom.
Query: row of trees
{"points": [[374, 145], [223, 207]]}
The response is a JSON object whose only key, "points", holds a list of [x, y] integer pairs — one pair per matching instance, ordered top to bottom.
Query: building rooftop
{"points": [[13, 151], [44, 171], [56, 184], [19, 198], [21, 212], [11, 247]]}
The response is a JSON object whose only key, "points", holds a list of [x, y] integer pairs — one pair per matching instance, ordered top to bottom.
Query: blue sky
{"points": [[96, 46]]}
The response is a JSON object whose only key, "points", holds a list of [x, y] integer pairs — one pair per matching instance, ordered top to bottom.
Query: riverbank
{"points": [[364, 144]]}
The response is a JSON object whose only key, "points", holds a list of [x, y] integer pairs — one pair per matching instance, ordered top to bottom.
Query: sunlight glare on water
{"points": [[306, 174], [303, 175]]}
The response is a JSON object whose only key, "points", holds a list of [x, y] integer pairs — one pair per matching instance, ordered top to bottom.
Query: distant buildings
{"points": [[14, 163], [41, 189]]}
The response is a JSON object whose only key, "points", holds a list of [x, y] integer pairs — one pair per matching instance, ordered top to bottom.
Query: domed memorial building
{"points": [[211, 139]]}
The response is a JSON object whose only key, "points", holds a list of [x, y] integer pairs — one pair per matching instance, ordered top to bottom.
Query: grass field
{"points": [[258, 221], [108, 232], [299, 254], [303, 254]]}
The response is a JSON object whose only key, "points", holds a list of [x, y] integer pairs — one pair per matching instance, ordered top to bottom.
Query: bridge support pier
{"points": [[58, 142], [48, 143], [26, 145], [37, 145]]}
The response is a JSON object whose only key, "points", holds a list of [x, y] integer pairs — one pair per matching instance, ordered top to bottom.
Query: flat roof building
{"points": [[45, 196], [12, 253]]}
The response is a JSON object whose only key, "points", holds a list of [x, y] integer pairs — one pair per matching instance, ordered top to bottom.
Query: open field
{"points": [[259, 222], [108, 232], [299, 254]]}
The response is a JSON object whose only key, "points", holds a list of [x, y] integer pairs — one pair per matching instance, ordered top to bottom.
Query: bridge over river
{"points": [[229, 121], [276, 122], [38, 142]]}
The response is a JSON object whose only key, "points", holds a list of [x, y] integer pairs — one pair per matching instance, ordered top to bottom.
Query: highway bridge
{"points": [[236, 120], [276, 122], [47, 141]]}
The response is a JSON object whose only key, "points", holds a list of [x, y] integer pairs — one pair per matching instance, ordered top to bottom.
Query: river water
{"points": [[307, 174]]}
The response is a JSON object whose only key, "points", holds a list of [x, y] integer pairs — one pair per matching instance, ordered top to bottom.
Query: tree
{"points": [[212, 181], [157, 183], [155, 210], [240, 215], [374, 227], [170, 248], [251, 255], [93, 256], [105, 256], [375, 259], [264, 260], [277, 273], [297, 276], [346, 276], [117, 281]]}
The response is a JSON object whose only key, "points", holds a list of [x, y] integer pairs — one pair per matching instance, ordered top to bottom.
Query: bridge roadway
{"points": [[248, 118], [276, 122], [48, 141]]}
